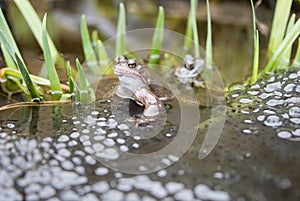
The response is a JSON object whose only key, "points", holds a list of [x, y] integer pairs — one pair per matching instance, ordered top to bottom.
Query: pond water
{"points": [[88, 152]]}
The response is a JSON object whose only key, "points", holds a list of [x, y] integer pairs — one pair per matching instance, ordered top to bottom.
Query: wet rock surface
{"points": [[54, 153]]}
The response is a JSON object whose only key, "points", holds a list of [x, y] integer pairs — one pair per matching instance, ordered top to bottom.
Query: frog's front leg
{"points": [[153, 106]]}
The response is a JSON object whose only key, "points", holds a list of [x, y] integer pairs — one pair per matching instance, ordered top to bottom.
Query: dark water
{"points": [[62, 152]]}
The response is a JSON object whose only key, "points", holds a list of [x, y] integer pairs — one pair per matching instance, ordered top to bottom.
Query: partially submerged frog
{"points": [[188, 73], [135, 84]]}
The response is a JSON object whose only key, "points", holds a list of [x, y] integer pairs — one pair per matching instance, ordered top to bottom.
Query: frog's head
{"points": [[189, 62], [125, 66]]}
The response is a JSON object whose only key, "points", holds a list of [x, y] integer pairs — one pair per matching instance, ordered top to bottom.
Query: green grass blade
{"points": [[194, 7], [280, 19], [35, 25], [188, 33], [7, 38], [157, 38], [120, 44], [255, 47], [283, 47], [88, 49], [101, 53], [209, 53], [287, 56], [255, 58], [8, 59], [296, 61], [70, 76], [53, 77], [83, 84], [35, 95]]}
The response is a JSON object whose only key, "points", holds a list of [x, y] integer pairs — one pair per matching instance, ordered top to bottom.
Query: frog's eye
{"points": [[122, 59], [132, 63], [189, 64]]}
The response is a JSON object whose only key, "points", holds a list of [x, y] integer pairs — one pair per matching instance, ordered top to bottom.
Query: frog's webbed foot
{"points": [[198, 84], [141, 121]]}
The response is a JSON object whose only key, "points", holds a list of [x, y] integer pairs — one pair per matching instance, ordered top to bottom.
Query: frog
{"points": [[189, 72], [134, 83]]}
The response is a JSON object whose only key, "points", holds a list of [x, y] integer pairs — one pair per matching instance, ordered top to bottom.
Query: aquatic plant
{"points": [[283, 35]]}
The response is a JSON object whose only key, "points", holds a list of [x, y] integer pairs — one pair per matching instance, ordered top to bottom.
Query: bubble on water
{"points": [[293, 76], [273, 86], [289, 87], [253, 93], [235, 95], [265, 95], [245, 100], [293, 100], [274, 102], [294, 111], [269, 112], [95, 113], [102, 119], [90, 120], [295, 120], [248, 121], [273, 121], [76, 122], [101, 123], [111, 123], [10, 125], [123, 127], [85, 131], [100, 131], [296, 132], [284, 134], [74, 135], [112, 135], [168, 135], [99, 137], [63, 138], [84, 138], [121, 141], [109, 142], [72, 143], [135, 145], [98, 147], [124, 148], [89, 150], [64, 152], [109, 154], [173, 158], [76, 160], [90, 160], [67, 165], [142, 168], [80, 170], [101, 171], [162, 173], [221, 175], [284, 183], [125, 184], [173, 187], [47, 192], [203, 192], [113, 194], [68, 195], [184, 195], [90, 197]]}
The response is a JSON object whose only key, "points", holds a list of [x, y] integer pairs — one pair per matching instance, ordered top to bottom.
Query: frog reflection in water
{"points": [[189, 72], [134, 84]]}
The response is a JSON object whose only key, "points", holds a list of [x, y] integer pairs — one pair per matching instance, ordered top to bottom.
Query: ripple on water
{"points": [[273, 121]]}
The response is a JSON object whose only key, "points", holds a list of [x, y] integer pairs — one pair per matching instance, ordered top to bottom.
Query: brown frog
{"points": [[134, 84]]}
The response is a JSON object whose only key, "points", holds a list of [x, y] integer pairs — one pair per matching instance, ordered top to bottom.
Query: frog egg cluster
{"points": [[274, 102], [63, 167]]}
